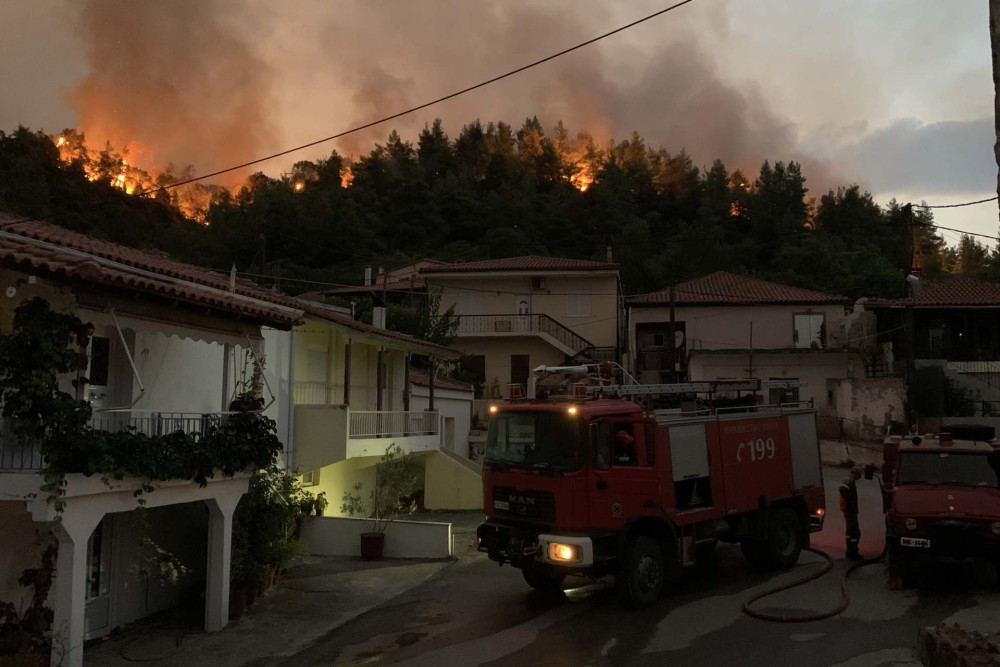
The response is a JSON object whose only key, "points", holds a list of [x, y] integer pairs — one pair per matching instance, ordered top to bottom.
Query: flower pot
{"points": [[372, 546]]}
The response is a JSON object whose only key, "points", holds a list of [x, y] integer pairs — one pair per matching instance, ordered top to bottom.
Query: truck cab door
{"points": [[623, 480]]}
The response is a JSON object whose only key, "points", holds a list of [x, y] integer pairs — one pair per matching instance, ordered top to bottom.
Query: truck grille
{"points": [[537, 505]]}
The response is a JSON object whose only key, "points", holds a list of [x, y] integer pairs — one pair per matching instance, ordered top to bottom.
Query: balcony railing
{"points": [[522, 324], [155, 423], [374, 424], [20, 454]]}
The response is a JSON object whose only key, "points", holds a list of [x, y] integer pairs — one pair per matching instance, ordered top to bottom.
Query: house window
{"points": [[470, 303], [577, 305], [810, 330], [100, 358], [782, 395], [310, 478]]}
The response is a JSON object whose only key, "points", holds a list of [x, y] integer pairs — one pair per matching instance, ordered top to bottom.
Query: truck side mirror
{"points": [[870, 471]]}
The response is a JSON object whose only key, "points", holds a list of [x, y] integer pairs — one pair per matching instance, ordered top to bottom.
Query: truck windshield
{"points": [[535, 441], [947, 468]]}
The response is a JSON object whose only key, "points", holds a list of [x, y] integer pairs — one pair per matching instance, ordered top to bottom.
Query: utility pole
{"points": [[995, 51]]}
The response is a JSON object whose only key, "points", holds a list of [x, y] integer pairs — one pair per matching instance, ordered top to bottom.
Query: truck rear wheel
{"points": [[785, 539], [642, 577], [542, 578]]}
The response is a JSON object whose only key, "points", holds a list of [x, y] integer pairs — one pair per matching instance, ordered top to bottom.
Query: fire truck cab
{"points": [[594, 484], [942, 497]]}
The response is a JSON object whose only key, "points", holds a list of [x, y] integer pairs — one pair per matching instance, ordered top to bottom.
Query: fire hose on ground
{"points": [[845, 598]]}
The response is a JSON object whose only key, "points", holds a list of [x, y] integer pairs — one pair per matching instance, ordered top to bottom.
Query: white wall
{"points": [[813, 368], [278, 371], [449, 403], [863, 407], [339, 536], [19, 552]]}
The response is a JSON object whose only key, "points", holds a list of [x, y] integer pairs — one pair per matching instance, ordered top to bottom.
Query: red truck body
{"points": [[565, 493], [942, 500]]}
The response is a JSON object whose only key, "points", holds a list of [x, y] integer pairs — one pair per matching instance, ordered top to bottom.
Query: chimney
{"points": [[610, 253], [368, 276], [915, 284], [378, 317]]}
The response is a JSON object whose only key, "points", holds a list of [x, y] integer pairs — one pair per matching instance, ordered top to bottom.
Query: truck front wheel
{"points": [[785, 539], [642, 576], [542, 578]]}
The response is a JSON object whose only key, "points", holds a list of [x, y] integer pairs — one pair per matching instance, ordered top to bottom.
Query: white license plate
{"points": [[915, 542]]}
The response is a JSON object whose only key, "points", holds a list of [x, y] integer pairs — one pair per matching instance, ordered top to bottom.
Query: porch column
{"points": [[347, 373], [378, 379], [406, 385], [430, 392], [220, 547], [70, 587]]}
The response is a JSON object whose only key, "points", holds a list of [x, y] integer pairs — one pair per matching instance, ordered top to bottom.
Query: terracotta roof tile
{"points": [[37, 246], [527, 263], [724, 288], [955, 291], [317, 310], [421, 377]]}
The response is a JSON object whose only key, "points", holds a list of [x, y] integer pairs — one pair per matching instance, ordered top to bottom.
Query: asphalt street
{"points": [[476, 613]]}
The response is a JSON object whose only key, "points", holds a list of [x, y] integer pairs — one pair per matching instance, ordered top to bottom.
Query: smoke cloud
{"points": [[181, 78]]}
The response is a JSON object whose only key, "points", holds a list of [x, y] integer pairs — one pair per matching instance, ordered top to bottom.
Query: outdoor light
{"points": [[493, 409], [571, 409], [821, 512], [911, 524], [995, 527], [566, 553]]}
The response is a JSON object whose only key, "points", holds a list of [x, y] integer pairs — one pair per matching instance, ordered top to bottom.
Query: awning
{"points": [[209, 329]]}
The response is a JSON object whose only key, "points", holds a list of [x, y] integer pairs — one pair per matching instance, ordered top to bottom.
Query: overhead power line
{"points": [[444, 98], [968, 203]]}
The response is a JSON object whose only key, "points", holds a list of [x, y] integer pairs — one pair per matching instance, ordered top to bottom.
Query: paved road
{"points": [[475, 613]]}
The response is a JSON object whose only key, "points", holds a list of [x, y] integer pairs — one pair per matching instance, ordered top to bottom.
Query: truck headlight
{"points": [[911, 524], [995, 527], [563, 553]]}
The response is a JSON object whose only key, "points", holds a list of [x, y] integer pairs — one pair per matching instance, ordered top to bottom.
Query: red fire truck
{"points": [[593, 484], [942, 497]]}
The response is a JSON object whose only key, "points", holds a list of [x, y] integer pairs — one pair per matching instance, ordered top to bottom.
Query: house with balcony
{"points": [[517, 313], [951, 323], [730, 326], [161, 339], [352, 393]]}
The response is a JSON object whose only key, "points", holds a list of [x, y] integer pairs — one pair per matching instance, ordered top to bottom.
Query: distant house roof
{"points": [[38, 247], [533, 263], [404, 278], [724, 288], [951, 292], [415, 344], [420, 377]]}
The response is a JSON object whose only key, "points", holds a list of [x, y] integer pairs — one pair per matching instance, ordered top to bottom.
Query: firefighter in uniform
{"points": [[849, 506]]}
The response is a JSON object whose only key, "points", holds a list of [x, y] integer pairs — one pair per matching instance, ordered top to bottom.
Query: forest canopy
{"points": [[491, 191]]}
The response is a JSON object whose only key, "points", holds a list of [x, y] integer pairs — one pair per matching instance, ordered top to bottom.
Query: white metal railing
{"points": [[155, 423], [384, 424], [18, 453]]}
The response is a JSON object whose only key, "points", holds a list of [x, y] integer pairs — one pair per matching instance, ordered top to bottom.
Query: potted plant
{"points": [[391, 497]]}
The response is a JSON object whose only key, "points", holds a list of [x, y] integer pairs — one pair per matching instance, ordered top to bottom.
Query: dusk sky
{"points": [[896, 95]]}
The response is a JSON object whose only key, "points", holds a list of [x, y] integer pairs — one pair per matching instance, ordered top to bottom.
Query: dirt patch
{"points": [[951, 646]]}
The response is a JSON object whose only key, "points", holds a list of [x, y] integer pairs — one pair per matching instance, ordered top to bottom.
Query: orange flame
{"points": [[346, 177]]}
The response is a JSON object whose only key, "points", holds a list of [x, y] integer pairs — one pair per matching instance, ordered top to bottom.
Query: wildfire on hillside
{"points": [[116, 169], [346, 177]]}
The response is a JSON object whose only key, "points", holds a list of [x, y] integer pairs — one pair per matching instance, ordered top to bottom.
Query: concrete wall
{"points": [[501, 293], [720, 328], [812, 367], [450, 404], [862, 408], [320, 436], [335, 479], [451, 485], [337, 536], [21, 550]]}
